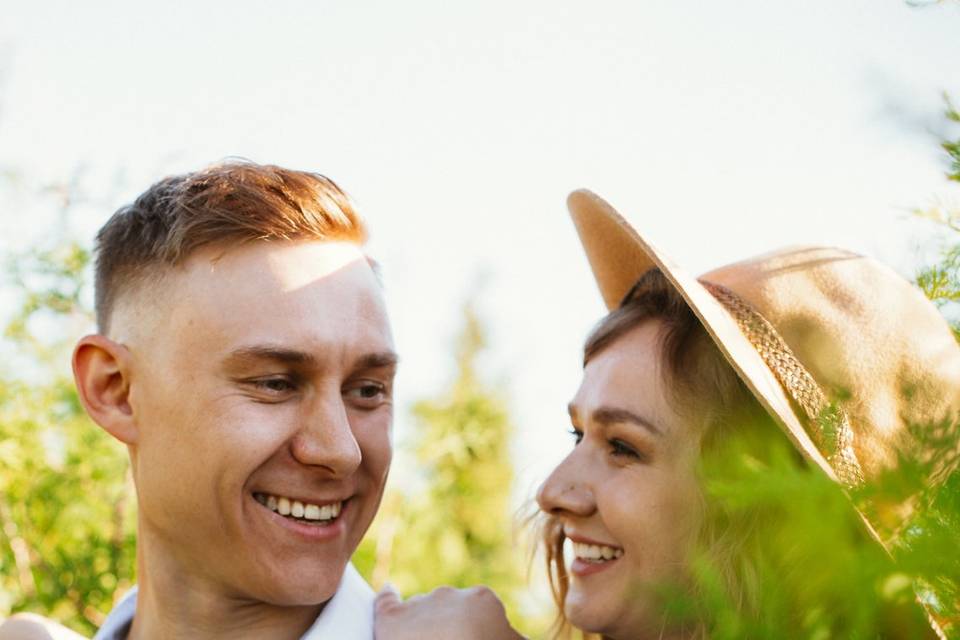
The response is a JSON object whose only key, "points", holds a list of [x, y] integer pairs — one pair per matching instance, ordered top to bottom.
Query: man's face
{"points": [[262, 379]]}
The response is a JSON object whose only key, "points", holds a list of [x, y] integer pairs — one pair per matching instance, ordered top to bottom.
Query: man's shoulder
{"points": [[118, 621]]}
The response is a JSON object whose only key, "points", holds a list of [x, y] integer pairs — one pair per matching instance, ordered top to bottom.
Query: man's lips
{"points": [[316, 509], [311, 522]]}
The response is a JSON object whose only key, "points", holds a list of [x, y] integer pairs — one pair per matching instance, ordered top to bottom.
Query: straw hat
{"points": [[811, 331]]}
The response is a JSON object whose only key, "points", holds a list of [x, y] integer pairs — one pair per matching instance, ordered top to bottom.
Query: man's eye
{"points": [[275, 385], [368, 392], [577, 436]]}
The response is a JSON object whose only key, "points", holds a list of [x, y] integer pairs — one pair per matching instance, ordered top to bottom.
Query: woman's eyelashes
{"points": [[618, 448], [622, 449]]}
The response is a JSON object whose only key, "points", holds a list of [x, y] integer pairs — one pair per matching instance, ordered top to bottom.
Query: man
{"points": [[244, 358]]}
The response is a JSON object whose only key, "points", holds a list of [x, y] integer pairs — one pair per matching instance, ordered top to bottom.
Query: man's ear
{"points": [[101, 369]]}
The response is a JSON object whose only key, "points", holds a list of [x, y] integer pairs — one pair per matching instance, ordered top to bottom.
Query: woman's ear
{"points": [[101, 370]]}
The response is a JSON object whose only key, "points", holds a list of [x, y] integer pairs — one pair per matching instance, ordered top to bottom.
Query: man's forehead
{"points": [[286, 265], [324, 275], [295, 293]]}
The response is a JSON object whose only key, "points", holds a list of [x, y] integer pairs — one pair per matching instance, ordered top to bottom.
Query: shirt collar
{"points": [[348, 615]]}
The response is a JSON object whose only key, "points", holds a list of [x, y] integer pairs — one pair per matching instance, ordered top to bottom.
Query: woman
{"points": [[689, 388]]}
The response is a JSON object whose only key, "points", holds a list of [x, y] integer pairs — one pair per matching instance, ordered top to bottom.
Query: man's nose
{"points": [[325, 438], [567, 490]]}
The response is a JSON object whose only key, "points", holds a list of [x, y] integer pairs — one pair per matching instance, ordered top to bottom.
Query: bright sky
{"points": [[722, 128]]}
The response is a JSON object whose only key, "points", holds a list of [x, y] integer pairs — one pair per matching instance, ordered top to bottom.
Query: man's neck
{"points": [[174, 603]]}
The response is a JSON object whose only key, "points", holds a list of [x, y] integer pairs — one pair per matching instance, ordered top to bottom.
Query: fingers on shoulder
{"points": [[484, 595], [479, 597], [388, 599], [30, 626]]}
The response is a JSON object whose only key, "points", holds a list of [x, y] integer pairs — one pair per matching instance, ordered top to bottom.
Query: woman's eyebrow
{"points": [[613, 415]]}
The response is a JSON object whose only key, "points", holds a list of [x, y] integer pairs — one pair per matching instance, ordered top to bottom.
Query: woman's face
{"points": [[626, 495]]}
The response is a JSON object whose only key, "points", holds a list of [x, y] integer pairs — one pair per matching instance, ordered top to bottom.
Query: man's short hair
{"points": [[228, 203]]}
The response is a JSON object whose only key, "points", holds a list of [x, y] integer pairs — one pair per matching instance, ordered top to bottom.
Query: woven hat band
{"points": [[826, 423]]}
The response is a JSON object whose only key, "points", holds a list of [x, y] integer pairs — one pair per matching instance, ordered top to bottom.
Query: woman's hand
{"points": [[467, 614], [29, 626]]}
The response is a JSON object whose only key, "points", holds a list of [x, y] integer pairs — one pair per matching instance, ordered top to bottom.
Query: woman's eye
{"points": [[577, 436], [619, 448]]}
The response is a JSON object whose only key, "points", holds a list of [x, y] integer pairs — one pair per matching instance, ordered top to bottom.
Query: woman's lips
{"points": [[592, 556], [582, 568]]}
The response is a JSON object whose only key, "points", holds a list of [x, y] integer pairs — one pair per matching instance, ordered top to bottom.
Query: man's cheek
{"points": [[376, 447]]}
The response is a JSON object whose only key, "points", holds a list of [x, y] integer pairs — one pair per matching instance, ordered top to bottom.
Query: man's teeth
{"points": [[297, 509], [596, 553]]}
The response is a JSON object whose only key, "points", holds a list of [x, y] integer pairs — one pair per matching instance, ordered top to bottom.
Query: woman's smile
{"points": [[591, 556]]}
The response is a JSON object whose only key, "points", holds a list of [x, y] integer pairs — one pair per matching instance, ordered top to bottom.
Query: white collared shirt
{"points": [[347, 616]]}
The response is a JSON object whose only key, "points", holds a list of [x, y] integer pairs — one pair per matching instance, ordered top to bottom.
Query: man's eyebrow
{"points": [[255, 353], [245, 356], [378, 360], [613, 415]]}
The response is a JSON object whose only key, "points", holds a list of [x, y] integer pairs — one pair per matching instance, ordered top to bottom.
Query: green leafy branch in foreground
{"points": [[787, 556]]}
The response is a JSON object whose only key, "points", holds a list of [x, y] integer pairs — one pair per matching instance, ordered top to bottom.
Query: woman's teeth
{"points": [[299, 510], [595, 553]]}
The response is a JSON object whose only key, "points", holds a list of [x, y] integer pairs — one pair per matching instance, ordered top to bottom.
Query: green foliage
{"points": [[952, 147], [941, 280], [66, 507], [458, 531], [927, 549], [785, 556]]}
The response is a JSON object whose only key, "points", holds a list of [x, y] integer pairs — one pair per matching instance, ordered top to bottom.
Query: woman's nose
{"points": [[567, 490]]}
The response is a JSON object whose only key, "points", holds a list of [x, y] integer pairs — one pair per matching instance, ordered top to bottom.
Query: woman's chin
{"points": [[590, 614], [596, 614]]}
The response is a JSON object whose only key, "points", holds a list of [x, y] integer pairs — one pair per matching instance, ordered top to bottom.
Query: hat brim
{"points": [[618, 256]]}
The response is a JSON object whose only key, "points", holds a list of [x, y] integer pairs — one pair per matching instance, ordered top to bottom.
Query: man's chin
{"points": [[301, 591]]}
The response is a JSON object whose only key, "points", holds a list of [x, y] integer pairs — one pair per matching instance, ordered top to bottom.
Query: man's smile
{"points": [[322, 514], [319, 521]]}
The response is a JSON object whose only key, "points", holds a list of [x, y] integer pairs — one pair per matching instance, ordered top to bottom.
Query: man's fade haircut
{"points": [[226, 203]]}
